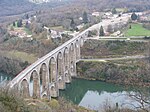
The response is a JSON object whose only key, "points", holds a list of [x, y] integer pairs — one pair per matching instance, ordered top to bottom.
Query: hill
{"points": [[11, 7]]}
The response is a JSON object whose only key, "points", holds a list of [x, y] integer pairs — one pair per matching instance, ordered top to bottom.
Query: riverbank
{"points": [[124, 72], [101, 96]]}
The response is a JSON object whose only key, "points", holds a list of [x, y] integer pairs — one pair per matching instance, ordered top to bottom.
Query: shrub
{"points": [[11, 102]]}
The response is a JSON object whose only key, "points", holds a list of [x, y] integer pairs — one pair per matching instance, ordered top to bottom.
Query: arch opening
{"points": [[59, 64], [52, 70], [43, 77], [34, 85], [44, 96]]}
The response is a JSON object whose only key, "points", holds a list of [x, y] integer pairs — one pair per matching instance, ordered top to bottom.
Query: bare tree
{"points": [[142, 95]]}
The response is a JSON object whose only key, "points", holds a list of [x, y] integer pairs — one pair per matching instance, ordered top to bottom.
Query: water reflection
{"points": [[91, 94], [95, 94], [96, 101]]}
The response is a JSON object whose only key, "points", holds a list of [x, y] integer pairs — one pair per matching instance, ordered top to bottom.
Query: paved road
{"points": [[110, 37], [129, 39], [111, 59]]}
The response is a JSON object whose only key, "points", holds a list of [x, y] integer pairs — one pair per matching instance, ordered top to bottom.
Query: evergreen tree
{"points": [[114, 11], [26, 16], [134, 16], [85, 18], [14, 23], [19, 23], [72, 24], [27, 25], [101, 31]]}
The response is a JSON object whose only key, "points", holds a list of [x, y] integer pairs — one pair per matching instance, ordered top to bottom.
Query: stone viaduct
{"points": [[47, 75]]}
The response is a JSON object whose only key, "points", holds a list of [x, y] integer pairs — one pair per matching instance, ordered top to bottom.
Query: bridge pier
{"points": [[67, 78], [61, 83], [54, 91]]}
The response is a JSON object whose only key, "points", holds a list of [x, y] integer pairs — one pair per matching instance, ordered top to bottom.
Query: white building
{"points": [[96, 14]]}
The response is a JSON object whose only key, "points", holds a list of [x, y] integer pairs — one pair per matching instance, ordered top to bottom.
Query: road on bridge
{"points": [[128, 39]]}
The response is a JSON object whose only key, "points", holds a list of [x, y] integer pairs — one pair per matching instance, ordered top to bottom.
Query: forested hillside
{"points": [[137, 5], [11, 7], [14, 7]]}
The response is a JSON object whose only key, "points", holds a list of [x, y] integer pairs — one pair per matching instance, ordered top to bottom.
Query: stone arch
{"points": [[52, 70], [60, 71], [43, 77], [34, 85], [24, 88], [44, 96]]}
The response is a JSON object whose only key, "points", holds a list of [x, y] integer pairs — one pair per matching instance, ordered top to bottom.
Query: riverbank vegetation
{"points": [[103, 49], [119, 72], [10, 101]]}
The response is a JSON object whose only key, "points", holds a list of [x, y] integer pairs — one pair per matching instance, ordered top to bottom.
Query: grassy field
{"points": [[60, 28], [20, 29], [137, 30], [19, 55]]}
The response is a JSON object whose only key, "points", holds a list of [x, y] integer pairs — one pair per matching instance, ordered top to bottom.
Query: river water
{"points": [[4, 77], [93, 94], [96, 94]]}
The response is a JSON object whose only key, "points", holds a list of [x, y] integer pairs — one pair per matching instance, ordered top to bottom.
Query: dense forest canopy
{"points": [[10, 7], [13, 7]]}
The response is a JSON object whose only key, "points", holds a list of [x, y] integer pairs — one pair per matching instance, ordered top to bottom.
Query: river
{"points": [[4, 77], [93, 94], [96, 94]]}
